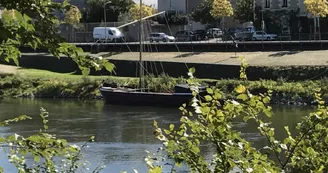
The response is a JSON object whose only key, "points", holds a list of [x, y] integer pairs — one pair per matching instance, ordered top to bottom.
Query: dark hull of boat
{"points": [[122, 97]]}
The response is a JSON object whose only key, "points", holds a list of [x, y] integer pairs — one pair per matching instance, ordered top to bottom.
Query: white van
{"points": [[107, 34]]}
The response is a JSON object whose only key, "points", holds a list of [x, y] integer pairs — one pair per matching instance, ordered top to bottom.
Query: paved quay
{"points": [[279, 58], [283, 58]]}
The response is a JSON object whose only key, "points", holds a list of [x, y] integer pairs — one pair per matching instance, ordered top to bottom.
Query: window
{"points": [[267, 3], [284, 3]]}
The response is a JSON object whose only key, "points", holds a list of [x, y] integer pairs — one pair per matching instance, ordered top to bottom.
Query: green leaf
{"points": [[16, 61], [109, 66], [192, 70], [85, 71], [240, 89], [209, 90], [243, 97], [208, 98], [266, 100], [267, 112], [210, 118], [246, 118], [171, 127], [287, 130], [92, 139], [37, 159], [178, 164], [156, 170]]}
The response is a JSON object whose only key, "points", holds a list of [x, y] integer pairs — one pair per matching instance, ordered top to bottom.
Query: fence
{"points": [[83, 33]]}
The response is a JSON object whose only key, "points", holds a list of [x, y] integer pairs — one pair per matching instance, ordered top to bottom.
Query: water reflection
{"points": [[122, 133]]}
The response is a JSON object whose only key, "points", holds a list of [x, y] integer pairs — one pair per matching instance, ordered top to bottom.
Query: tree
{"points": [[316, 7], [221, 8], [94, 10], [146, 11], [212, 11], [243, 11], [202, 13], [72, 16], [125, 17]]}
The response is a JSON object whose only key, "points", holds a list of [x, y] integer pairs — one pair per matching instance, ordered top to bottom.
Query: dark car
{"points": [[233, 31], [184, 35], [200, 35]]}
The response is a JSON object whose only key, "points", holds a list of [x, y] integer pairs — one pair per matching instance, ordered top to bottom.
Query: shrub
{"points": [[210, 124]]}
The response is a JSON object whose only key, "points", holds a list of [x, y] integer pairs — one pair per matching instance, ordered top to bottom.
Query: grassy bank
{"points": [[33, 83]]}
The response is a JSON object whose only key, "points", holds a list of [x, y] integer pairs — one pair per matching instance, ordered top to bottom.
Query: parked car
{"points": [[248, 30], [233, 31], [214, 32], [107, 34], [183, 35], [200, 35], [261, 35], [243, 36], [160, 37]]}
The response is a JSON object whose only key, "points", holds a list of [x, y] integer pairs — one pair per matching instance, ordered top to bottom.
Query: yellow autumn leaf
{"points": [[241, 89]]}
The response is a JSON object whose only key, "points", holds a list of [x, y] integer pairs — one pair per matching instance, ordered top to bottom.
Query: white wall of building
{"points": [[178, 5]]}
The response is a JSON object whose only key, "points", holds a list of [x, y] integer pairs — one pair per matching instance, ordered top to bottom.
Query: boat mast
{"points": [[141, 71]]}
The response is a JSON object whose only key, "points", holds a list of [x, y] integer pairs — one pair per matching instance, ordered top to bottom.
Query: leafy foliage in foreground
{"points": [[34, 24], [210, 124], [49, 153]]}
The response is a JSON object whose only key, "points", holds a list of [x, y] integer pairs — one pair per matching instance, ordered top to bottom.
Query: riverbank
{"points": [[292, 66], [31, 83]]}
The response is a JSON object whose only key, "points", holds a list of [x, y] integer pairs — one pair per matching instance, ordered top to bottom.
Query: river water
{"points": [[123, 133]]}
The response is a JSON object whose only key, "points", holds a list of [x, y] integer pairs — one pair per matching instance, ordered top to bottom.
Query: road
{"points": [[211, 41]]}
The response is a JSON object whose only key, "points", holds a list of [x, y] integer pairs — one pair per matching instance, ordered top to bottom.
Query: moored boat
{"points": [[138, 97]]}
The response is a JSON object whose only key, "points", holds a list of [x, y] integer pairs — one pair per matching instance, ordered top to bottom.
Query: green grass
{"points": [[35, 73], [43, 83]]}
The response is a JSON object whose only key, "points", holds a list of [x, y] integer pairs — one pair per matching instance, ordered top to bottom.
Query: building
{"points": [[79, 3], [283, 4], [176, 5], [185, 6], [188, 6]]}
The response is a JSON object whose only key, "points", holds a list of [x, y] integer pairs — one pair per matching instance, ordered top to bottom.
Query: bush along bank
{"points": [[16, 86], [79, 88], [292, 93]]}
